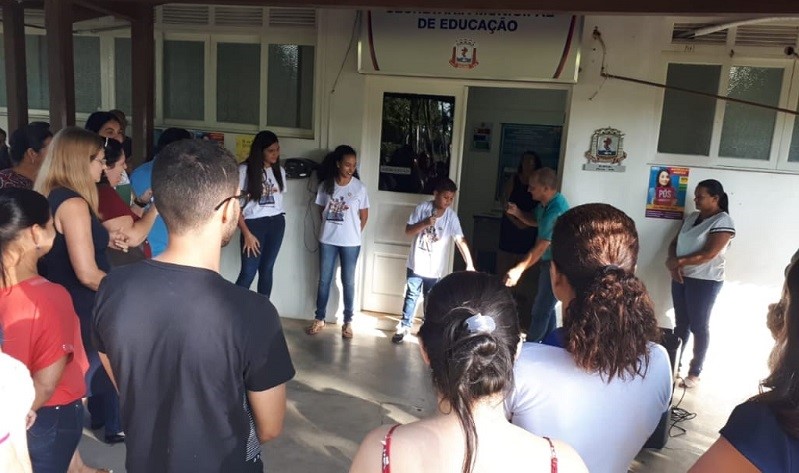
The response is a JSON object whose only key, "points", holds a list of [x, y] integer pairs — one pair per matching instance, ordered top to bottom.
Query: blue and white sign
{"points": [[488, 45]]}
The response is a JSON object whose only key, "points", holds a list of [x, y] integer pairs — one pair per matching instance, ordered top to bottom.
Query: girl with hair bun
{"points": [[696, 262], [470, 339], [604, 385]]}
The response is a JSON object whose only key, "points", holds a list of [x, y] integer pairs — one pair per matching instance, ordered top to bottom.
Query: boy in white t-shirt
{"points": [[433, 224]]}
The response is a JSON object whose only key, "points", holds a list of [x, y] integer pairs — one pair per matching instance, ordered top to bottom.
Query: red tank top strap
{"points": [[387, 449], [553, 456]]}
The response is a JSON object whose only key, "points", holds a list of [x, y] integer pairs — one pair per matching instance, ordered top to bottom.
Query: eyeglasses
{"points": [[102, 161], [242, 198]]}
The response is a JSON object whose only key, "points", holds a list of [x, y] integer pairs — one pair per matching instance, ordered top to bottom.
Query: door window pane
{"points": [[36, 68], [87, 73], [122, 75], [184, 80], [238, 83], [290, 86], [3, 101], [686, 124], [747, 131], [415, 142], [793, 153]]}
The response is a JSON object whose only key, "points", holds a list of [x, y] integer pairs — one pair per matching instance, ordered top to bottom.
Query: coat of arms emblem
{"points": [[464, 54]]}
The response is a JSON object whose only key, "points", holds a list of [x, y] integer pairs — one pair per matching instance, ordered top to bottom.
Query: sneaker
{"points": [[315, 327], [346, 330], [400, 334], [691, 381]]}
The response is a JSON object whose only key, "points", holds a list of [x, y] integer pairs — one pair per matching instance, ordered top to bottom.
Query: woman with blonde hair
{"points": [[68, 178]]}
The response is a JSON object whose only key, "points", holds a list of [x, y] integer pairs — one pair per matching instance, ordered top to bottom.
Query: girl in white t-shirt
{"points": [[344, 209], [262, 221], [696, 261]]}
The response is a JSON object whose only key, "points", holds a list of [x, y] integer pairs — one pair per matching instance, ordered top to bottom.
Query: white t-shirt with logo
{"points": [[271, 201], [341, 220], [693, 237], [431, 246], [607, 423]]}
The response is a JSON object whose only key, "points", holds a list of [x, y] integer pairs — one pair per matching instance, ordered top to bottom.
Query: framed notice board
{"points": [[544, 140]]}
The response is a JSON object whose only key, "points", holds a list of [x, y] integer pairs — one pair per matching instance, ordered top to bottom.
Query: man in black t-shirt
{"points": [[200, 363]]}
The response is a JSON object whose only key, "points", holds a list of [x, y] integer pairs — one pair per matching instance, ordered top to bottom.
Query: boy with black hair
{"points": [[433, 224]]}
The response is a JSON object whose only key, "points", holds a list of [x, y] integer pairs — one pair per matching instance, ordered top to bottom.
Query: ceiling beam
{"points": [[664, 7]]}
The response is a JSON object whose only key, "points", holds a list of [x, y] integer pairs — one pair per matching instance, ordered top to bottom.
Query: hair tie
{"points": [[608, 268], [479, 323]]}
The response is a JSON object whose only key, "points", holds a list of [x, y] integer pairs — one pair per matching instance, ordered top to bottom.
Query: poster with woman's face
{"points": [[667, 189]]}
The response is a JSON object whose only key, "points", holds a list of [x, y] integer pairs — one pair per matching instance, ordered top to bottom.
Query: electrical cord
{"points": [[680, 415]]}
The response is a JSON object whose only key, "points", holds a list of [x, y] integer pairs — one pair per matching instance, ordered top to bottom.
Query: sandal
{"points": [[315, 327], [346, 331], [690, 382]]}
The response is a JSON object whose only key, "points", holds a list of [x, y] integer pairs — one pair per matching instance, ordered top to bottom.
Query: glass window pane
{"points": [[36, 68], [87, 73], [122, 75], [238, 79], [184, 80], [290, 86], [686, 124], [747, 131], [415, 141], [793, 153]]}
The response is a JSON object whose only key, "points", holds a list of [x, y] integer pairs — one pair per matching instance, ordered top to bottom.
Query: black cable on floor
{"points": [[680, 415]]}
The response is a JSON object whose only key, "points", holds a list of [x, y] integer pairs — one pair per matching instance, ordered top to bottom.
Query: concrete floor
{"points": [[343, 389]]}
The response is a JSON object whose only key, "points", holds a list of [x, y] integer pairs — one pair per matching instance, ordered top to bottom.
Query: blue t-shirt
{"points": [[141, 179], [546, 216], [754, 431]]}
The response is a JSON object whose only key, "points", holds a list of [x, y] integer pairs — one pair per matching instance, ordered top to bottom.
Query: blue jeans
{"points": [[269, 232], [348, 255], [416, 285], [693, 301], [543, 319], [103, 400], [54, 437]]}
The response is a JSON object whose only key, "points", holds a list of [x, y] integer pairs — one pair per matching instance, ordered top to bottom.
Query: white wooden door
{"points": [[385, 246]]}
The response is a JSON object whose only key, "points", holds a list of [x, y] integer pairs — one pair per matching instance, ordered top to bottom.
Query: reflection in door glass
{"points": [[415, 142]]}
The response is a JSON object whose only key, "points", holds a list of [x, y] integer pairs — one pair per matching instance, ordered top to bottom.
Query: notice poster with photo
{"points": [[667, 190]]}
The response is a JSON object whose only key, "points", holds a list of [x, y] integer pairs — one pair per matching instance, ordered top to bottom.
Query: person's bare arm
{"points": [[364, 215], [526, 218], [75, 222], [416, 228], [135, 231], [460, 242], [713, 246], [252, 247], [531, 258], [107, 366], [45, 381], [268, 411], [723, 456], [368, 459]]}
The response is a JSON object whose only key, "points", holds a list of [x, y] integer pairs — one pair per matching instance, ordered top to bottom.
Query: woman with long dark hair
{"points": [[28, 148], [344, 209], [117, 215], [262, 221], [696, 262], [41, 329], [470, 339], [599, 383], [762, 434]]}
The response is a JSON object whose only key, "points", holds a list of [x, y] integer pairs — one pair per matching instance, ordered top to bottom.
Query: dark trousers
{"points": [[269, 232], [416, 285], [693, 301], [543, 318], [54, 437]]}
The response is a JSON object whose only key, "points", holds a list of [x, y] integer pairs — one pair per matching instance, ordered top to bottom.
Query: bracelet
{"points": [[139, 203]]}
